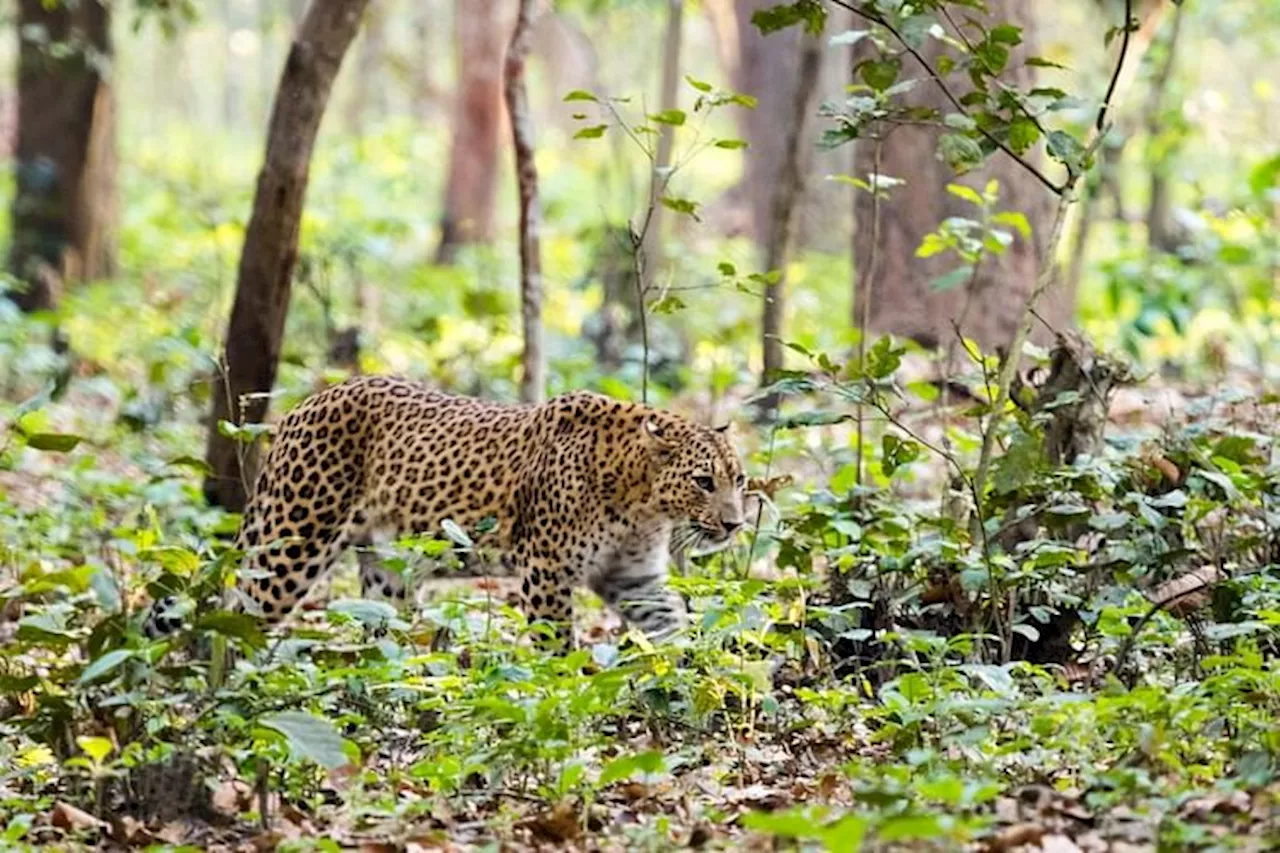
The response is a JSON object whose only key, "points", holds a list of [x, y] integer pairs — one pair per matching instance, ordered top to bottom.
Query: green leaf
{"points": [[809, 12], [1006, 34], [848, 37], [1041, 62], [880, 74], [700, 85], [581, 95], [671, 117], [959, 121], [594, 132], [1023, 133], [731, 144], [1067, 150], [960, 152], [969, 194], [681, 205], [1015, 220], [726, 268], [953, 279], [668, 304], [53, 442], [192, 462], [456, 534], [368, 612], [240, 626], [105, 665], [310, 738], [96, 748], [628, 765]]}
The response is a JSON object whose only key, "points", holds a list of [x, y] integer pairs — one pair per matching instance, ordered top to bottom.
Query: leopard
{"points": [[580, 491]]}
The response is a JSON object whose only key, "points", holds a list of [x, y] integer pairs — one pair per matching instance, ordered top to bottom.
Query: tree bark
{"points": [[481, 30], [668, 99], [787, 193], [64, 210], [265, 276], [906, 303], [533, 377]]}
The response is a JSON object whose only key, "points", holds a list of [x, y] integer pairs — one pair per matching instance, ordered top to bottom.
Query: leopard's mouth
{"points": [[708, 540]]}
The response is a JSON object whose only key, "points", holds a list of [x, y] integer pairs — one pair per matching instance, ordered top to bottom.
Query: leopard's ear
{"points": [[728, 430], [657, 439]]}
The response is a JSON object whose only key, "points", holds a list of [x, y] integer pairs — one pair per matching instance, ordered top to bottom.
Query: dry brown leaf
{"points": [[1185, 594], [67, 817], [559, 825], [1018, 835]]}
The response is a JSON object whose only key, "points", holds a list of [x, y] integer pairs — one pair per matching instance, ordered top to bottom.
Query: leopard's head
{"points": [[698, 481]]}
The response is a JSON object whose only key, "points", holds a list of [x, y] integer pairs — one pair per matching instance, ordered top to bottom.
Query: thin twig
{"points": [[1115, 76], [863, 295]]}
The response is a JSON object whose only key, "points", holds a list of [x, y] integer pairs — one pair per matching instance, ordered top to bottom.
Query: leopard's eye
{"points": [[742, 480], [705, 483]]}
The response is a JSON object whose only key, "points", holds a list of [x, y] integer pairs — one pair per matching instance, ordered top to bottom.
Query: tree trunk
{"points": [[481, 33], [368, 99], [668, 99], [1161, 154], [787, 193], [64, 209], [270, 251], [905, 302], [533, 376]]}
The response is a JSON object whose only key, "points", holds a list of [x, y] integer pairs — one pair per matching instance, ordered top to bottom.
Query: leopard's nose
{"points": [[731, 525]]}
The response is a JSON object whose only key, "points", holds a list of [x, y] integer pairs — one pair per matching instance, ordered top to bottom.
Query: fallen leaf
{"points": [[67, 817], [559, 825], [1018, 835]]}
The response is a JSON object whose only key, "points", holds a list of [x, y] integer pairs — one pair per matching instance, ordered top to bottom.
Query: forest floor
{"points": [[445, 729]]}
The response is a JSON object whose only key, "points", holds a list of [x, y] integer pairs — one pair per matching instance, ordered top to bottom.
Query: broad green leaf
{"points": [[880, 74], [700, 85], [581, 95], [671, 117], [594, 132], [1023, 133], [731, 144], [960, 152], [969, 194], [1015, 220], [953, 279], [53, 442], [456, 534], [368, 612], [241, 626], [105, 665], [310, 738], [96, 748], [628, 765]]}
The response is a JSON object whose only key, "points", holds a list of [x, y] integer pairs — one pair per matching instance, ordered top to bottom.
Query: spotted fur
{"points": [[585, 491]]}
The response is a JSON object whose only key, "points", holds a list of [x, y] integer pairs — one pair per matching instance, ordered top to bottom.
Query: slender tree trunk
{"points": [[481, 32], [368, 95], [669, 99], [787, 193], [64, 211], [1161, 235], [265, 277], [906, 303], [533, 377]]}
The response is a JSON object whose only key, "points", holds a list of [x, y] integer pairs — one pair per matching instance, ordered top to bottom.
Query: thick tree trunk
{"points": [[481, 33], [787, 194], [64, 210], [270, 251], [905, 302], [533, 375]]}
